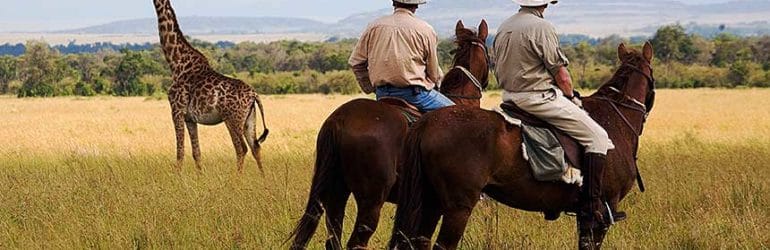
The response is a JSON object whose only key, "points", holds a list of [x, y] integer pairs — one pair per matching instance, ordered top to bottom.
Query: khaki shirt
{"points": [[399, 50], [527, 53]]}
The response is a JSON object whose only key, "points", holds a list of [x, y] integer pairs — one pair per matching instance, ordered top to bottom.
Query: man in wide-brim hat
{"points": [[396, 57], [532, 70]]}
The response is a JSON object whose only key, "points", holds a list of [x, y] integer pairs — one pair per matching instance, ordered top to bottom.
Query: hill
{"points": [[596, 18], [208, 25]]}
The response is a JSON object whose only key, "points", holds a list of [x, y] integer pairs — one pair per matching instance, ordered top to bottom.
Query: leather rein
{"points": [[473, 78], [637, 106]]}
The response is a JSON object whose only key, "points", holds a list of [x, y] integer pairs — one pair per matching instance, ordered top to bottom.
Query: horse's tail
{"points": [[265, 132], [326, 158], [411, 188]]}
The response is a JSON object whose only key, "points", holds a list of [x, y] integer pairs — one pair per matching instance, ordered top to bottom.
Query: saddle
{"points": [[410, 112], [572, 149]]}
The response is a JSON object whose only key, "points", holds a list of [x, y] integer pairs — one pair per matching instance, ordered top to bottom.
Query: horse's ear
{"points": [[459, 27], [483, 30], [647, 51], [622, 52]]}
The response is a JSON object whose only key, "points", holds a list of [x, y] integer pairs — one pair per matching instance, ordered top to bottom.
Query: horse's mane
{"points": [[464, 41], [623, 73]]}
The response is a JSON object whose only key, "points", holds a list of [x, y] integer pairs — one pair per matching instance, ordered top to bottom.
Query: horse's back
{"points": [[474, 149]]}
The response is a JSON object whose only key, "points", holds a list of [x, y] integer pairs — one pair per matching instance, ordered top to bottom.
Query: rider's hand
{"points": [[575, 98]]}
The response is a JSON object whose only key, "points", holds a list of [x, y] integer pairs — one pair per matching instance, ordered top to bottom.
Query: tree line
{"points": [[682, 61]]}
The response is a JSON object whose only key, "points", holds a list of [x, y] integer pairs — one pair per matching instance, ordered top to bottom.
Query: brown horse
{"points": [[359, 146], [454, 154]]}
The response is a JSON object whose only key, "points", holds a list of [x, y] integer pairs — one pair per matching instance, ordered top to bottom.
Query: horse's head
{"points": [[637, 68], [469, 75]]}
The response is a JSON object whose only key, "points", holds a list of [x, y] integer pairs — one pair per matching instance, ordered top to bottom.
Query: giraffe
{"points": [[200, 95]]}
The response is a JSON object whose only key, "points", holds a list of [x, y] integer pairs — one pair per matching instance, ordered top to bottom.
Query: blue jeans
{"points": [[424, 100]]}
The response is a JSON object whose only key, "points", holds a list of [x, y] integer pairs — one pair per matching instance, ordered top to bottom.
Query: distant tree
{"points": [[671, 43], [729, 49], [607, 50], [761, 52], [583, 53], [445, 56], [8, 67], [41, 69], [128, 74], [739, 74]]}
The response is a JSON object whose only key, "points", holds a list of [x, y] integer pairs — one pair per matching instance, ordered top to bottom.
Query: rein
{"points": [[473, 78], [637, 106]]}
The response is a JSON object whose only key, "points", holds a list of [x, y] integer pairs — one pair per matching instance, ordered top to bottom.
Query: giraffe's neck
{"points": [[181, 56]]}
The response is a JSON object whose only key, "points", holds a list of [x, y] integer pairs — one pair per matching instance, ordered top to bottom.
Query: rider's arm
{"points": [[555, 60], [359, 63], [433, 70], [564, 81]]}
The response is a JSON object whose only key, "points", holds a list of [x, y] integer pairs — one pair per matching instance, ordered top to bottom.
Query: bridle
{"points": [[473, 78], [635, 105]]}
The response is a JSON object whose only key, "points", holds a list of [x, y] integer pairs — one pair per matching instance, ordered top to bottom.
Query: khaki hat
{"points": [[411, 1], [534, 3]]}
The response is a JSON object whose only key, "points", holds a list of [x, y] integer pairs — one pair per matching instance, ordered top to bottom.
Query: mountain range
{"points": [[589, 17]]}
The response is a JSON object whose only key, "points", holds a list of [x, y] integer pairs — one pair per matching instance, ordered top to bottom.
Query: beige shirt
{"points": [[399, 50], [527, 53]]}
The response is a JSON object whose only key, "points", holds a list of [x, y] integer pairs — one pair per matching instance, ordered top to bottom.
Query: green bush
{"points": [[339, 82]]}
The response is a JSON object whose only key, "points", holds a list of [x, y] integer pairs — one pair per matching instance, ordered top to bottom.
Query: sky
{"points": [[42, 15]]}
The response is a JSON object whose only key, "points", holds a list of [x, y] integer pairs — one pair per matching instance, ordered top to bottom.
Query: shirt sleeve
{"points": [[553, 57], [359, 62], [433, 69]]}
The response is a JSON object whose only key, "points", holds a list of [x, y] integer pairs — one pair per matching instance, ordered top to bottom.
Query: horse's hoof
{"points": [[552, 216]]}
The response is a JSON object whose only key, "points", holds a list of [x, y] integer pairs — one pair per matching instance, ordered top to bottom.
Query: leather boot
{"points": [[592, 208], [593, 213]]}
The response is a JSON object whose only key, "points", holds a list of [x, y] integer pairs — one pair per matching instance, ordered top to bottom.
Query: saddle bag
{"points": [[544, 153]]}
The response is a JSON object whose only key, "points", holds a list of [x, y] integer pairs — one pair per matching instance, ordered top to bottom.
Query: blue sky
{"points": [[58, 14], [26, 15]]}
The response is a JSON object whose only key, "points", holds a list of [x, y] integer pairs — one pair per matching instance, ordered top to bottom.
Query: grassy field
{"points": [[97, 173]]}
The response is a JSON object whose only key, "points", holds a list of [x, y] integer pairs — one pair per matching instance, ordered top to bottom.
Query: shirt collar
{"points": [[403, 11], [532, 11]]}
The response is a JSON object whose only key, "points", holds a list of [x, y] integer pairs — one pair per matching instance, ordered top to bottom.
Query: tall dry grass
{"points": [[97, 173]]}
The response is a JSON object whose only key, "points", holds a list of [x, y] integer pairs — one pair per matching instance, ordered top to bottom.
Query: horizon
{"points": [[61, 15]]}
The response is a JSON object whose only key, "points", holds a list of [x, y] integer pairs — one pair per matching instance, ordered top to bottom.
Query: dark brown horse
{"points": [[359, 146], [454, 154]]}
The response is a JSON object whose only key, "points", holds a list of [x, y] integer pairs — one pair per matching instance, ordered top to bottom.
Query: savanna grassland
{"points": [[97, 173]]}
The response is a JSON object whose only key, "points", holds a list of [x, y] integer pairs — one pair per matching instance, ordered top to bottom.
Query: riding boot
{"points": [[591, 211]]}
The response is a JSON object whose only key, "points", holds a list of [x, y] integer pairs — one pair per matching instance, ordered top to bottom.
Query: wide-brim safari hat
{"points": [[411, 1], [533, 3]]}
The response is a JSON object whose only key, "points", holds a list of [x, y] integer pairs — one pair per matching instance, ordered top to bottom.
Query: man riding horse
{"points": [[396, 57], [532, 70]]}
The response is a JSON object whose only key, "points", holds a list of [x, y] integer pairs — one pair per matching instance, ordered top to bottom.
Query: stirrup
{"points": [[612, 216]]}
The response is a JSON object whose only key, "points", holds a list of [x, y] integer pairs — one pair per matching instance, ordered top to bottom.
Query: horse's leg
{"points": [[235, 127], [192, 128], [334, 201], [430, 218], [366, 221], [453, 227], [591, 239]]}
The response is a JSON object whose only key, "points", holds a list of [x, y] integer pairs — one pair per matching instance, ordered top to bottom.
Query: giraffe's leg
{"points": [[178, 119], [235, 127], [192, 128], [251, 137]]}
